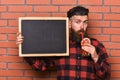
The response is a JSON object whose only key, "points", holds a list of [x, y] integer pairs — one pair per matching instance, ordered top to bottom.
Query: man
{"points": [[87, 61]]}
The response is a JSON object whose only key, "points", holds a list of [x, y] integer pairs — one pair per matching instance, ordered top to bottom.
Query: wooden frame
{"points": [[24, 21]]}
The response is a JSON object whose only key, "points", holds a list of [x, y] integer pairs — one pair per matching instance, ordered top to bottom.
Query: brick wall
{"points": [[104, 25]]}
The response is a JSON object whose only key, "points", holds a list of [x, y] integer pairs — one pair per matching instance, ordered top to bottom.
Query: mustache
{"points": [[81, 32], [78, 33]]}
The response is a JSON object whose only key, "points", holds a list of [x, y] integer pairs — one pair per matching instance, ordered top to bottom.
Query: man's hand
{"points": [[19, 39], [86, 46]]}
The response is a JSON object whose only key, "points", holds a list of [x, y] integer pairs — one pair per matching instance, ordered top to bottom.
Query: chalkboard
{"points": [[44, 36]]}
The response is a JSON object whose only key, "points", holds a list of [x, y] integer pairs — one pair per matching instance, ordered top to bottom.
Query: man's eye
{"points": [[78, 22], [86, 22]]}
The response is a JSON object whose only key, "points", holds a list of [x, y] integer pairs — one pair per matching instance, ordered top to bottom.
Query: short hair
{"points": [[78, 10]]}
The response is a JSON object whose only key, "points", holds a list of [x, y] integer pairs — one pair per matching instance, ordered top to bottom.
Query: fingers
{"points": [[18, 33], [19, 39], [87, 47]]}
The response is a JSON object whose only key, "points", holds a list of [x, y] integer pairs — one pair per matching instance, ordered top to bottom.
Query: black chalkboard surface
{"points": [[44, 36]]}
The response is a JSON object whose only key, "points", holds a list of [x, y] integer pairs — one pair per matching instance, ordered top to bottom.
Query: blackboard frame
{"points": [[66, 53]]}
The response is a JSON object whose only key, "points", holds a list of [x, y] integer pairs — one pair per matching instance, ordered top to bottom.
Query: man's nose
{"points": [[82, 25]]}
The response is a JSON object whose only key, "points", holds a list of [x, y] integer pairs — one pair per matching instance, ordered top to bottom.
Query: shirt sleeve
{"points": [[38, 63], [102, 66]]}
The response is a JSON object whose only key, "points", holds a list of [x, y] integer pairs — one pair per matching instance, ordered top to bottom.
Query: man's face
{"points": [[78, 23]]}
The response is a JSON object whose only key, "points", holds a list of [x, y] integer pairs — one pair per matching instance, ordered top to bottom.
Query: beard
{"points": [[78, 36]]}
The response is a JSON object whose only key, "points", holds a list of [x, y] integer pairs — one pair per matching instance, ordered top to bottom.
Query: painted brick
{"points": [[12, 1], [38, 2], [63, 2], [90, 2], [111, 2], [3, 8], [20, 8], [46, 8], [65, 8], [99, 8], [115, 9], [38, 14], [11, 15], [59, 15], [95, 16], [112, 16], [3, 22], [13, 23], [99, 23], [115, 24], [8, 30], [93, 30], [111, 31], [11, 36], [3, 37], [101, 37], [115, 38], [8, 44], [112, 45], [2, 51], [12, 51], [108, 52], [115, 53], [11, 59], [114, 60], [3, 66], [18, 66], [115, 67], [8, 73], [115, 74], [2, 78], [19, 78], [114, 78]]}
